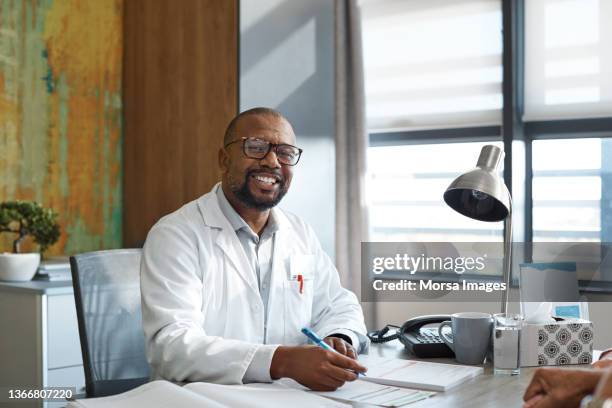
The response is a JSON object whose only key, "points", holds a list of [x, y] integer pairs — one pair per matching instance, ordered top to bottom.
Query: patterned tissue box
{"points": [[561, 343]]}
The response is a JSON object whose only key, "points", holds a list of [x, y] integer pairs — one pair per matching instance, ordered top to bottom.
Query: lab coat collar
{"points": [[237, 222], [227, 239]]}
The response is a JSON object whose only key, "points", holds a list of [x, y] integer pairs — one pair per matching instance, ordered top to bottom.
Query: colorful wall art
{"points": [[60, 115]]}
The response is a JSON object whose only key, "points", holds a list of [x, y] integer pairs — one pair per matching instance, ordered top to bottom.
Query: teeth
{"points": [[268, 180]]}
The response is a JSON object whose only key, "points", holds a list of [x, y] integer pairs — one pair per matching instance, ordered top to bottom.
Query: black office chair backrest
{"points": [[107, 296]]}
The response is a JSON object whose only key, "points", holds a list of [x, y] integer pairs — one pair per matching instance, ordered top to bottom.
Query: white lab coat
{"points": [[201, 308]]}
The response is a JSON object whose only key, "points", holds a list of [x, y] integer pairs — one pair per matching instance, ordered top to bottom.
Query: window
{"points": [[432, 64], [568, 72], [434, 74], [405, 188], [568, 195]]}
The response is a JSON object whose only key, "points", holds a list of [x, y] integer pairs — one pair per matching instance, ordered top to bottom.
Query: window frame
{"points": [[512, 128]]}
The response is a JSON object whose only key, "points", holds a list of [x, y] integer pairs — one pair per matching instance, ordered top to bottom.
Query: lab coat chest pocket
{"points": [[298, 296]]}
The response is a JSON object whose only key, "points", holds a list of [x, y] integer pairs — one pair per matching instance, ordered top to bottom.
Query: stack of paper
{"points": [[417, 374], [377, 394]]}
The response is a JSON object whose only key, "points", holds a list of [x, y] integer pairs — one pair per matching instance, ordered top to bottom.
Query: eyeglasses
{"points": [[255, 148]]}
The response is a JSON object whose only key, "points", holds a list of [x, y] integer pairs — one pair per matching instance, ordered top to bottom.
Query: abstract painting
{"points": [[60, 115]]}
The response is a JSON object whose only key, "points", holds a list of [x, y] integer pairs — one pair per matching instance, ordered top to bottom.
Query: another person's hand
{"points": [[341, 346], [605, 360], [314, 367], [558, 388], [604, 388]]}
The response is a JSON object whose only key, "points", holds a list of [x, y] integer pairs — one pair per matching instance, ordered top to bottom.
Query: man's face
{"points": [[258, 183]]}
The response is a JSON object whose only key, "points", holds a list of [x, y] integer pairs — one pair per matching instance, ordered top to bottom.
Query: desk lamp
{"points": [[482, 195]]}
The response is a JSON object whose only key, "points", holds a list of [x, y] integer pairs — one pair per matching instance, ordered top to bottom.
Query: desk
{"points": [[485, 390]]}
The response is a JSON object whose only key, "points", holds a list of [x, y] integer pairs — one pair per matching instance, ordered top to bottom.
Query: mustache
{"points": [[276, 173]]}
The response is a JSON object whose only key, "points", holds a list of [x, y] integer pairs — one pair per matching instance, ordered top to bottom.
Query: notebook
{"points": [[417, 374], [163, 394]]}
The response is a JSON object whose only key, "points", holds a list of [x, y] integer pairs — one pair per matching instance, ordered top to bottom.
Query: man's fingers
{"points": [[340, 346], [351, 352], [346, 362], [602, 363], [341, 374], [334, 382], [324, 386], [535, 387], [532, 401], [548, 402]]}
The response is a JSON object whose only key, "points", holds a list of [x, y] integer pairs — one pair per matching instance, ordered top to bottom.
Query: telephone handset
{"points": [[422, 341]]}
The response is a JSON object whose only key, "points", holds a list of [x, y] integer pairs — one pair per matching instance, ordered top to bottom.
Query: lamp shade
{"points": [[480, 193]]}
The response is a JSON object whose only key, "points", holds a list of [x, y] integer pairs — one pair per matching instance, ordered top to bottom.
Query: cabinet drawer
{"points": [[63, 345]]}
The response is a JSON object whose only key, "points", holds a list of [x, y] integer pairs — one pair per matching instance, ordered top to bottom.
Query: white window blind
{"points": [[568, 59], [432, 64]]}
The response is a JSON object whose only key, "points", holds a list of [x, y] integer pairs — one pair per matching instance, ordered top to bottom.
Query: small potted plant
{"points": [[26, 218]]}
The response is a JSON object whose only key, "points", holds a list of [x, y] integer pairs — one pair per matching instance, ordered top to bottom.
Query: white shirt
{"points": [[259, 251], [203, 314]]}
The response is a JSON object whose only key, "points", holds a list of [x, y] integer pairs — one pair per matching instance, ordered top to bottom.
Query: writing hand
{"points": [[314, 367]]}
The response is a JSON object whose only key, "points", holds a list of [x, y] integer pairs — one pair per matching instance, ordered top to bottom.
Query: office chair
{"points": [[107, 296]]}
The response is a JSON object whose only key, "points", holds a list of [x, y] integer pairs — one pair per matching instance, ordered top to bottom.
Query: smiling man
{"points": [[229, 280]]}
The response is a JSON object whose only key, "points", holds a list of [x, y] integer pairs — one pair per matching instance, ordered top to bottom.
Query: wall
{"points": [[287, 63], [180, 92], [60, 115]]}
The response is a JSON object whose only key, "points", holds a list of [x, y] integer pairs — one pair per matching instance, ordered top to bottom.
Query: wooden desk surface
{"points": [[485, 390]]}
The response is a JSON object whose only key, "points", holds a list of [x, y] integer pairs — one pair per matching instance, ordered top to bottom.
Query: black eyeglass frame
{"points": [[270, 147]]}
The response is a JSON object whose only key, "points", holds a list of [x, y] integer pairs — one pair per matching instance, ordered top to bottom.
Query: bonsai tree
{"points": [[29, 218]]}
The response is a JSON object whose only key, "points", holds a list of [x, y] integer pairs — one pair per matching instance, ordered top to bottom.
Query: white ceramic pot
{"points": [[18, 267]]}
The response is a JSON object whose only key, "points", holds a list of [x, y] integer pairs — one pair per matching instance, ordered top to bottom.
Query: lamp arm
{"points": [[507, 272]]}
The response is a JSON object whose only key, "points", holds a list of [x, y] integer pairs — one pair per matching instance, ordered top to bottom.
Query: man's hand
{"points": [[341, 347], [605, 360], [314, 367], [557, 388], [604, 389]]}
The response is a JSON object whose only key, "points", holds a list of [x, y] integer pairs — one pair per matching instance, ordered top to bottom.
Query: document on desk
{"points": [[417, 374], [163, 394], [377, 394]]}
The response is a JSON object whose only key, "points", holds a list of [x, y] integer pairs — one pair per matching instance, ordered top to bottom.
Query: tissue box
{"points": [[561, 343]]}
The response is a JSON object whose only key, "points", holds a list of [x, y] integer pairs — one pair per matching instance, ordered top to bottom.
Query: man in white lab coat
{"points": [[229, 280]]}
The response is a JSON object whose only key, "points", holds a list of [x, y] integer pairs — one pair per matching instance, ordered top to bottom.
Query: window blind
{"points": [[568, 59], [432, 64]]}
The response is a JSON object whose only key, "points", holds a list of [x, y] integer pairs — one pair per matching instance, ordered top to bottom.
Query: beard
{"points": [[246, 197]]}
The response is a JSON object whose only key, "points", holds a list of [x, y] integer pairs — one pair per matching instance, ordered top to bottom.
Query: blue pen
{"points": [[317, 340]]}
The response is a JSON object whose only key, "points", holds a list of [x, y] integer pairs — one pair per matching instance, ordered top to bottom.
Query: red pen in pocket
{"points": [[300, 279]]}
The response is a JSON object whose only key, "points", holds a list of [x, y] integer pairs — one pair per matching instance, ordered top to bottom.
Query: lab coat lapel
{"points": [[227, 239], [276, 302]]}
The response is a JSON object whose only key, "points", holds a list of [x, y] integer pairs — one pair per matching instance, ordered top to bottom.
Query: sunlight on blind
{"points": [[568, 59], [432, 63], [405, 185], [570, 189]]}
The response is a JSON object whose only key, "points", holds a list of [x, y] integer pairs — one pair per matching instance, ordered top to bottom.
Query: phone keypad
{"points": [[428, 336]]}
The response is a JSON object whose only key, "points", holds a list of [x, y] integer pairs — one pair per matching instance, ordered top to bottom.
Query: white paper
{"points": [[417, 374], [163, 394], [377, 394], [150, 395], [262, 395]]}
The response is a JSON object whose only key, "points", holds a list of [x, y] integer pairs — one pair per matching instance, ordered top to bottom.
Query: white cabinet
{"points": [[39, 338]]}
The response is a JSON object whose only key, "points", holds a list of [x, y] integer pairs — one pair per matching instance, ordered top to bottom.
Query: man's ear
{"points": [[223, 158]]}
